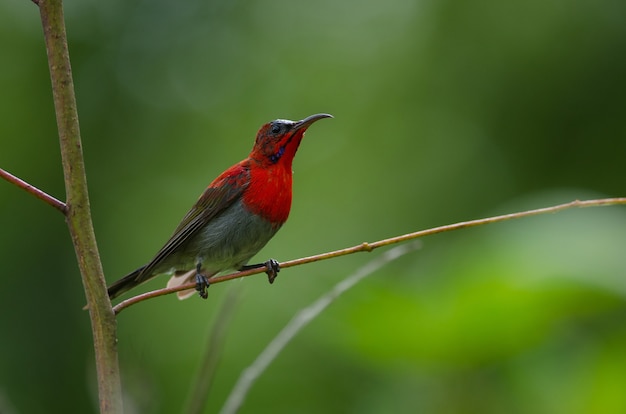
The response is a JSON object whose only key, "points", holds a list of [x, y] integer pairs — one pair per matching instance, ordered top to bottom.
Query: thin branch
{"points": [[45, 197], [78, 215], [368, 247], [299, 321], [206, 371]]}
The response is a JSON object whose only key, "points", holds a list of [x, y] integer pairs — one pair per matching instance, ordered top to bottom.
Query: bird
{"points": [[233, 219]]}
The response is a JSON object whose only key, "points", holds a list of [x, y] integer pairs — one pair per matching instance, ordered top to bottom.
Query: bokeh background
{"points": [[445, 110]]}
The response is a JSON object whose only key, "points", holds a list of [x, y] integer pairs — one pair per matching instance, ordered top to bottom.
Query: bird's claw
{"points": [[272, 268], [202, 283]]}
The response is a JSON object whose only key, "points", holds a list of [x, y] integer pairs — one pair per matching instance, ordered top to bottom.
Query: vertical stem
{"points": [[78, 215]]}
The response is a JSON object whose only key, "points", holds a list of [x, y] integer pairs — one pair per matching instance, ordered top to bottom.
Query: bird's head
{"points": [[277, 141]]}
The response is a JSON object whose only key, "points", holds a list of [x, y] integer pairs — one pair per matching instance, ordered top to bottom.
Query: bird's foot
{"points": [[272, 268], [202, 283]]}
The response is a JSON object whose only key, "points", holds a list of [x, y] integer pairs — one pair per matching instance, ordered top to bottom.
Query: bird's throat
{"points": [[269, 193]]}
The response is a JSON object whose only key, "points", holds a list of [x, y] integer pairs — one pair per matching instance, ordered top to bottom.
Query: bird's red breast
{"points": [[269, 192]]}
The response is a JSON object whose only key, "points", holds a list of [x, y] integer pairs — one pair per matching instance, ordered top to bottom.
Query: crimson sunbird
{"points": [[237, 214]]}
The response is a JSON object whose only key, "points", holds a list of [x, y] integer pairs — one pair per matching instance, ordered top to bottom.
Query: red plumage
{"points": [[269, 193]]}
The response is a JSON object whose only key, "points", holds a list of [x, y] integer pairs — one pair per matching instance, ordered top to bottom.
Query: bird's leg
{"points": [[272, 267], [202, 282]]}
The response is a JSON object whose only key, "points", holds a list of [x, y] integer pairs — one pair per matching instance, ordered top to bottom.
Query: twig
{"points": [[45, 197], [368, 247], [299, 321], [206, 372]]}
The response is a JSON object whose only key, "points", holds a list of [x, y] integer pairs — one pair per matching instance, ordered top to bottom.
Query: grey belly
{"points": [[228, 243]]}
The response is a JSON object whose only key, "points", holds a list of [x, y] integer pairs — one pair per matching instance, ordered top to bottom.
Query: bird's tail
{"points": [[125, 284]]}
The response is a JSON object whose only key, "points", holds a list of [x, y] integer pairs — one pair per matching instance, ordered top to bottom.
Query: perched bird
{"points": [[238, 213]]}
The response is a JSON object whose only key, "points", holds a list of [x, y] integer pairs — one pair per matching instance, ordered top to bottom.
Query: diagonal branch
{"points": [[45, 197], [368, 247], [299, 321]]}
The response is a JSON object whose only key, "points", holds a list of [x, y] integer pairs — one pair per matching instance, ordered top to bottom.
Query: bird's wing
{"points": [[219, 195]]}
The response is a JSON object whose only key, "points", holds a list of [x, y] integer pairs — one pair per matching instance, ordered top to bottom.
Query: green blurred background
{"points": [[445, 110]]}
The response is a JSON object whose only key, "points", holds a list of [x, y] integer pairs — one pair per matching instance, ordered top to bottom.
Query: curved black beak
{"points": [[306, 122]]}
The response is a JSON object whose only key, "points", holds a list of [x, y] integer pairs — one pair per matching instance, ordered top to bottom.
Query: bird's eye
{"points": [[275, 128]]}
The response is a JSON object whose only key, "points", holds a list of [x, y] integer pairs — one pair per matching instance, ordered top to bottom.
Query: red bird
{"points": [[234, 218]]}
